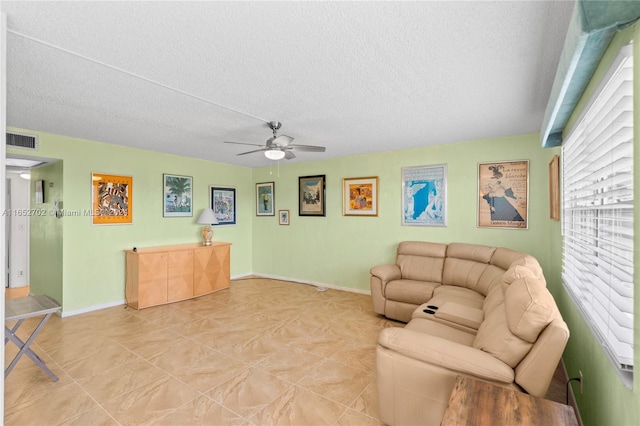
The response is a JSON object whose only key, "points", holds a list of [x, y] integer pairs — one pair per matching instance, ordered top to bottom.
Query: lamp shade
{"points": [[274, 154], [207, 217]]}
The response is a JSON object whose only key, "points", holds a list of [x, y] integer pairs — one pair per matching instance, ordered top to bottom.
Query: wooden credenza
{"points": [[166, 274]]}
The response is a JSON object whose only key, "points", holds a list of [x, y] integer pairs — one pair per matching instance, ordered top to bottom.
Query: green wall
{"points": [[339, 250], [45, 253], [93, 256], [605, 399]]}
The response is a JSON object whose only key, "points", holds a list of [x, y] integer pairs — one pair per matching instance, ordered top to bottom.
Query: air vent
{"points": [[21, 140]]}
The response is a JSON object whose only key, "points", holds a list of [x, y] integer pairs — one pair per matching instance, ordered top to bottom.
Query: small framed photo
{"points": [[39, 191], [503, 194], [177, 195], [311, 195], [424, 195], [360, 196], [111, 199], [265, 199], [223, 202], [283, 217]]}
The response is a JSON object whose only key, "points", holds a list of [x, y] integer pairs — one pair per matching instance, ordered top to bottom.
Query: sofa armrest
{"points": [[386, 272], [445, 353]]}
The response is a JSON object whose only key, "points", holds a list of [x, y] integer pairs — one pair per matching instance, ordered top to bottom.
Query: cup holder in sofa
{"points": [[435, 308], [428, 311]]}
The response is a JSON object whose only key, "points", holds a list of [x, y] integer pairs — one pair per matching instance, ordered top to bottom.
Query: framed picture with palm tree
{"points": [[177, 196]]}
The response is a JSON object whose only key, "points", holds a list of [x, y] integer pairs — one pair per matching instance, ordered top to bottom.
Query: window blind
{"points": [[597, 207]]}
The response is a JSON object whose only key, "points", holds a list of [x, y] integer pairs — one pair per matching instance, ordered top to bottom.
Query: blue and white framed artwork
{"points": [[424, 195]]}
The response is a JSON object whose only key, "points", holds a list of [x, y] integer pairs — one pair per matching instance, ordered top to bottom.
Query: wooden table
{"points": [[19, 310], [476, 403]]}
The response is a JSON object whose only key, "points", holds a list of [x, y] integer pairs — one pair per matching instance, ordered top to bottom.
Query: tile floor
{"points": [[263, 352]]}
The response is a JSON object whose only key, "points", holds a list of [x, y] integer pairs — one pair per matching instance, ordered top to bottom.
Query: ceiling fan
{"points": [[279, 147]]}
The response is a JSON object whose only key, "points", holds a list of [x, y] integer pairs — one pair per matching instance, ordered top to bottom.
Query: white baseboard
{"points": [[235, 277], [306, 282], [92, 308]]}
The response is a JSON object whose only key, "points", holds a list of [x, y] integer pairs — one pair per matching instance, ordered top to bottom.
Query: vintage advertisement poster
{"points": [[503, 194], [424, 198]]}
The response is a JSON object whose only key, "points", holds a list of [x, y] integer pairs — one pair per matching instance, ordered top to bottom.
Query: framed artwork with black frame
{"points": [[311, 195], [265, 199], [223, 202]]}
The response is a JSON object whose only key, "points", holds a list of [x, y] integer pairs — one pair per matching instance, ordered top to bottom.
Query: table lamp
{"points": [[207, 218]]}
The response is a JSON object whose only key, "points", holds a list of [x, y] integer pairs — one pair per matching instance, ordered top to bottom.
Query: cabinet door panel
{"points": [[211, 269], [180, 275], [152, 279]]}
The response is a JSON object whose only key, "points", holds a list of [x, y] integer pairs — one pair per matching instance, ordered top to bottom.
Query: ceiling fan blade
{"points": [[282, 140], [243, 143], [309, 148], [251, 152], [289, 155]]}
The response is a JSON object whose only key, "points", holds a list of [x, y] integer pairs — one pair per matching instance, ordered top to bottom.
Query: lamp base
{"points": [[207, 235]]}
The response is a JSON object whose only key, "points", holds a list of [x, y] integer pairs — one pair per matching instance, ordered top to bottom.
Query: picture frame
{"points": [[554, 188], [39, 191], [503, 194], [311, 195], [424, 195], [177, 196], [360, 196], [111, 199], [265, 199], [223, 202], [283, 217]]}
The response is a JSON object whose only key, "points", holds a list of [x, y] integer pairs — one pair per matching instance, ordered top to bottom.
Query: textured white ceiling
{"points": [[356, 77]]}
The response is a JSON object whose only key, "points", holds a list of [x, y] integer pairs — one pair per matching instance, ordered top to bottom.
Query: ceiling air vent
{"points": [[21, 140]]}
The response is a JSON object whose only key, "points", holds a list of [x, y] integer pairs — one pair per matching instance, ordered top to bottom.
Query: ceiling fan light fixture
{"points": [[274, 154]]}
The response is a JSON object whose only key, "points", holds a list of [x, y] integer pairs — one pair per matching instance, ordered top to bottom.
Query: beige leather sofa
{"points": [[472, 310]]}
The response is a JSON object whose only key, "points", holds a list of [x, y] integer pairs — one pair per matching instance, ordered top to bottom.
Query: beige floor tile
{"points": [[179, 353], [98, 362], [290, 364], [210, 371], [121, 379], [338, 382], [249, 392], [151, 402], [367, 402], [298, 406], [52, 408], [201, 411], [94, 417], [353, 418]]}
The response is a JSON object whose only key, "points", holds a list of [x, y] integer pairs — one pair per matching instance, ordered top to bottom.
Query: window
{"points": [[597, 208]]}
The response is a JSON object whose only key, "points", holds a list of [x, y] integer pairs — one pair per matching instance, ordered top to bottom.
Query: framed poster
{"points": [[554, 188], [39, 191], [503, 194], [177, 195], [311, 195], [424, 195], [360, 196], [111, 199], [265, 201], [223, 203], [283, 217]]}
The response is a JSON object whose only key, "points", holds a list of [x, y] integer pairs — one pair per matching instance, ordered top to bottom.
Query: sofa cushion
{"points": [[475, 252], [421, 261], [410, 291], [460, 295], [529, 307], [444, 331], [495, 337]]}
